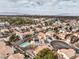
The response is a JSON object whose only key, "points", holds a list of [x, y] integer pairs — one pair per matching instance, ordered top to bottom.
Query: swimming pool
{"points": [[25, 44]]}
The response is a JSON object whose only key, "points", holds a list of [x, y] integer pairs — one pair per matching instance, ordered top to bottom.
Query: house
{"points": [[4, 24], [41, 35], [5, 50], [67, 53], [16, 56], [77, 58]]}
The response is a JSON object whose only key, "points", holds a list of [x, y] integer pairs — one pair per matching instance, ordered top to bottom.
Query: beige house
{"points": [[41, 35], [5, 50], [67, 53], [16, 56], [77, 58]]}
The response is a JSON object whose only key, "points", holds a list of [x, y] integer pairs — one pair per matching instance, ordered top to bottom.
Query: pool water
{"points": [[25, 44]]}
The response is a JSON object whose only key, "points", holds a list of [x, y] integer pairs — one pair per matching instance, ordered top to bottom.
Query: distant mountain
{"points": [[10, 13]]}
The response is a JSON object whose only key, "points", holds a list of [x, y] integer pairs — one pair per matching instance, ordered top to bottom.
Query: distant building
{"points": [[4, 24]]}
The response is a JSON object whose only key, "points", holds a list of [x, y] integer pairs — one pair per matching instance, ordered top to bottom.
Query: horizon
{"points": [[42, 7]]}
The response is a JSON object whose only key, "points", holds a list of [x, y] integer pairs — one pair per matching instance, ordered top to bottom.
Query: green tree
{"points": [[13, 38], [46, 54]]}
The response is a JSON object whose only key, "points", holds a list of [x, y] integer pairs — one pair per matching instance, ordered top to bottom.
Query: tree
{"points": [[13, 38], [46, 54]]}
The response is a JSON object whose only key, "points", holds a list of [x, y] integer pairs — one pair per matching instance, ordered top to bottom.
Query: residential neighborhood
{"points": [[39, 38]]}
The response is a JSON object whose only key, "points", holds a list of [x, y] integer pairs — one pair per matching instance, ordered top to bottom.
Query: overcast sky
{"points": [[39, 7]]}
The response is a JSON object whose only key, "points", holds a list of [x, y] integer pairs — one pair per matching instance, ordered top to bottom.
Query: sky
{"points": [[40, 7]]}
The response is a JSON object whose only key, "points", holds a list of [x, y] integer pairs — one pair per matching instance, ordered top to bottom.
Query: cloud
{"points": [[39, 7]]}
